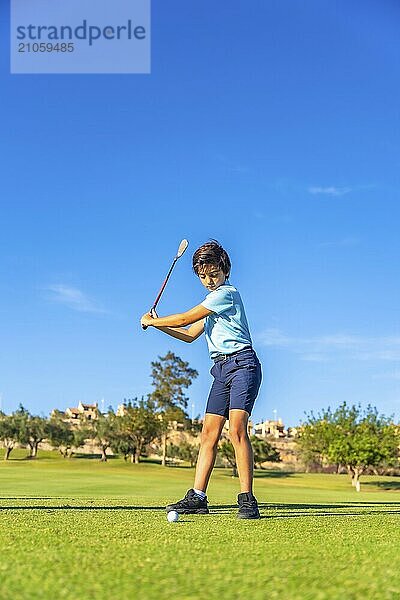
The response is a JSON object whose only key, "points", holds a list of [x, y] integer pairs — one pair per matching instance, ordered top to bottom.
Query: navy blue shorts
{"points": [[237, 380]]}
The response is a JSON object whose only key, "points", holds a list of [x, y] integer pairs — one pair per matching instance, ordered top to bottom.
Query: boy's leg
{"points": [[210, 434], [239, 437], [193, 502], [248, 507]]}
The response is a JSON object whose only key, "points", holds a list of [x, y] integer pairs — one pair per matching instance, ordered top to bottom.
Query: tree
{"points": [[171, 377], [137, 428], [32, 429], [104, 430], [37, 432], [8, 433], [62, 436], [315, 437], [352, 437], [363, 439], [263, 451]]}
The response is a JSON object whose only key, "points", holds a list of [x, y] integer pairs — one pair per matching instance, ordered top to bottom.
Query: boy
{"points": [[236, 372]]}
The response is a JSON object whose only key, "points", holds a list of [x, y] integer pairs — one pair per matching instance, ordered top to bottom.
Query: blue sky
{"points": [[271, 126]]}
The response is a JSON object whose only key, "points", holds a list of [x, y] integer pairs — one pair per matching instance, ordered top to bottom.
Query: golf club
{"points": [[182, 247]]}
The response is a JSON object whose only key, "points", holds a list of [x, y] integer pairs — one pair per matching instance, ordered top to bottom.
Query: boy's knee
{"points": [[238, 435], [209, 437]]}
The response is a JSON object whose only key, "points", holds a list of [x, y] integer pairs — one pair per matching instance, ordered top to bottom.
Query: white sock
{"points": [[199, 493]]}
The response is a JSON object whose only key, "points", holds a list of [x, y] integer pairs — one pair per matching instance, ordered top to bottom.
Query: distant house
{"points": [[87, 412], [72, 413], [268, 428], [274, 429], [293, 432]]}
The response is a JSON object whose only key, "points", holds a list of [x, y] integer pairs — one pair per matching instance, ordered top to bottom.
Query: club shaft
{"points": [[164, 284]]}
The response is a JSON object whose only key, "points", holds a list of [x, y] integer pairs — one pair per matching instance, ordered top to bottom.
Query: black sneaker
{"points": [[191, 504], [248, 507]]}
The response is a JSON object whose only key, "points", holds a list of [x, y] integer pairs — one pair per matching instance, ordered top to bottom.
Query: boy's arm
{"points": [[179, 320], [174, 325], [183, 334]]}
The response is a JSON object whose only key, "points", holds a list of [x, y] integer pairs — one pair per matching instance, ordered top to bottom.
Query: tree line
{"points": [[130, 433], [126, 434], [348, 438]]}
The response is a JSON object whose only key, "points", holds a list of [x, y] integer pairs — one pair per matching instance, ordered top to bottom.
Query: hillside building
{"points": [[88, 412]]}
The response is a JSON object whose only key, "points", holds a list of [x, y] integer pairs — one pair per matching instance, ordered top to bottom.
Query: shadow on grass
{"points": [[81, 456], [150, 461], [261, 474], [272, 474], [383, 485], [268, 510], [285, 511]]}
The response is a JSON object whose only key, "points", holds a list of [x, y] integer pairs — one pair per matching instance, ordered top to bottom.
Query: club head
{"points": [[182, 247]]}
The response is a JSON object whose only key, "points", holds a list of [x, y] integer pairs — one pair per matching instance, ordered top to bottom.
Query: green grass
{"points": [[79, 529]]}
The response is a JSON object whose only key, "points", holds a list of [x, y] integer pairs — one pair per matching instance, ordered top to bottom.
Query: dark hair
{"points": [[211, 253]]}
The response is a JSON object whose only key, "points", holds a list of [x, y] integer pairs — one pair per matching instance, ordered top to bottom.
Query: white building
{"points": [[269, 428]]}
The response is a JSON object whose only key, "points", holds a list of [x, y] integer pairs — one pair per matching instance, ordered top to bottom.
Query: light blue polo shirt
{"points": [[226, 329]]}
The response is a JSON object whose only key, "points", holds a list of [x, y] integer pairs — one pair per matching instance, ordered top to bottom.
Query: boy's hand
{"points": [[146, 320]]}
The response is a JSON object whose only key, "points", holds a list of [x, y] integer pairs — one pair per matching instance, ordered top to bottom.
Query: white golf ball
{"points": [[172, 516]]}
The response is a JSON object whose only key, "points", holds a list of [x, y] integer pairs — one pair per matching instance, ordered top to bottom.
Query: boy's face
{"points": [[211, 277]]}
